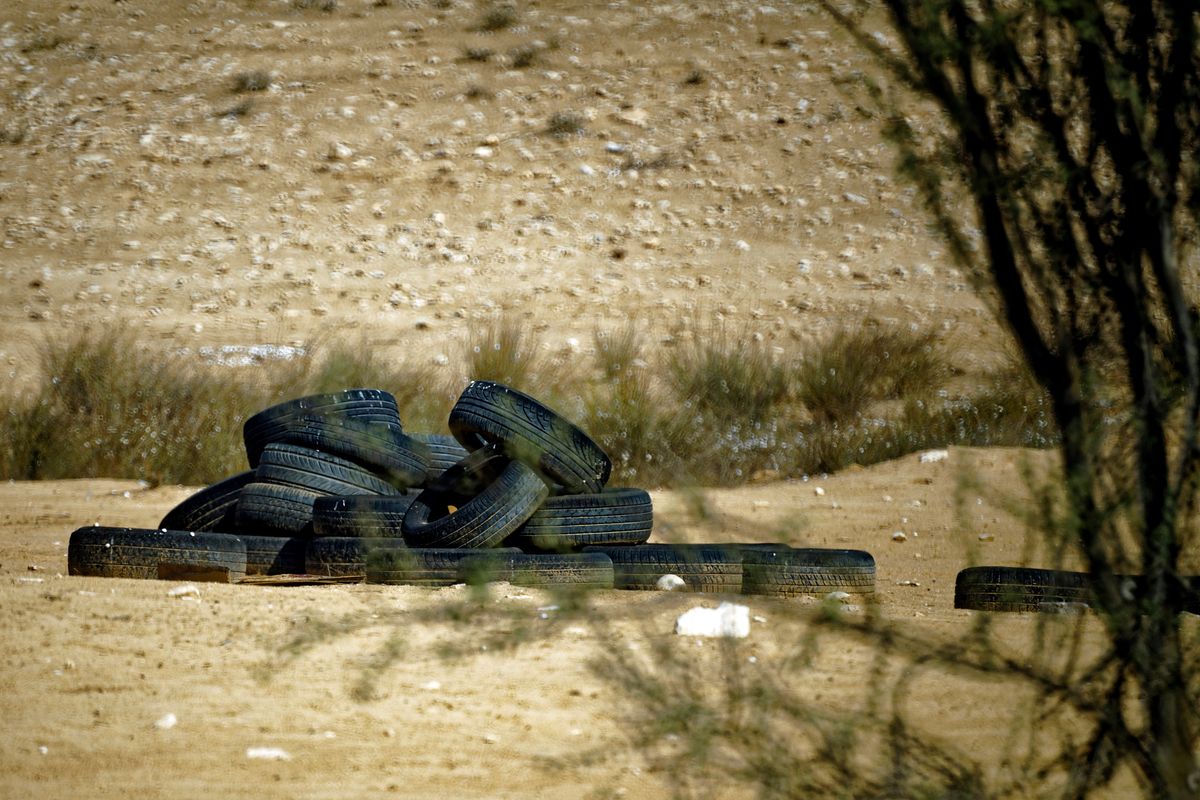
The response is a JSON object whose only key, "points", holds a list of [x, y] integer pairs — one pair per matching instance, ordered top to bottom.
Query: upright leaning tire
{"points": [[371, 405], [529, 432], [213, 509], [454, 513], [569, 523], [143, 553], [421, 566], [707, 568], [788, 572], [1019, 588]]}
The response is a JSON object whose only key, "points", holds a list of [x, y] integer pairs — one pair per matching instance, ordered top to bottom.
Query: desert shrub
{"points": [[498, 17], [478, 54], [523, 57], [254, 81], [562, 124], [506, 351], [856, 367], [727, 377], [108, 409]]}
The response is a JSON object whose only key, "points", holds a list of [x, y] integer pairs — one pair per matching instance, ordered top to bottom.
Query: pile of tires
{"points": [[515, 492]]}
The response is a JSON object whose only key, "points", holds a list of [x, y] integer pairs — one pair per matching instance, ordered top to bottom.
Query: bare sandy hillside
{"points": [[241, 173]]}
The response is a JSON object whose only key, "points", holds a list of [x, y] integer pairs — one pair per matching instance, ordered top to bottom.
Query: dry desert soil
{"points": [[242, 172]]}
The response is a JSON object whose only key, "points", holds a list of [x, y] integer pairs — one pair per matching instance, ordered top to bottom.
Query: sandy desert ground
{"points": [[242, 172], [91, 664]]}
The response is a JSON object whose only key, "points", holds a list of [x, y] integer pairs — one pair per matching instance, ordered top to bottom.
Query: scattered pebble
{"points": [[933, 456], [818, 491], [899, 536], [987, 537], [908, 583], [184, 591], [838, 597], [431, 686], [166, 722], [490, 738], [43, 749]]}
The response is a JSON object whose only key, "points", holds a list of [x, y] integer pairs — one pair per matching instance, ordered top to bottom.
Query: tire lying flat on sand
{"points": [[526, 430], [143, 553], [274, 555], [344, 556], [422, 566], [708, 568], [579, 570], [788, 572], [1020, 589]]}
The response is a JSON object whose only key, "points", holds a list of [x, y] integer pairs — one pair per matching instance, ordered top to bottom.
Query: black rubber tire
{"points": [[372, 405], [531, 433], [381, 448], [444, 452], [326, 474], [213, 509], [276, 509], [361, 515], [482, 518], [569, 523], [141, 553], [274, 555], [343, 557], [421, 566], [707, 568], [580, 570], [788, 572], [1019, 588]]}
